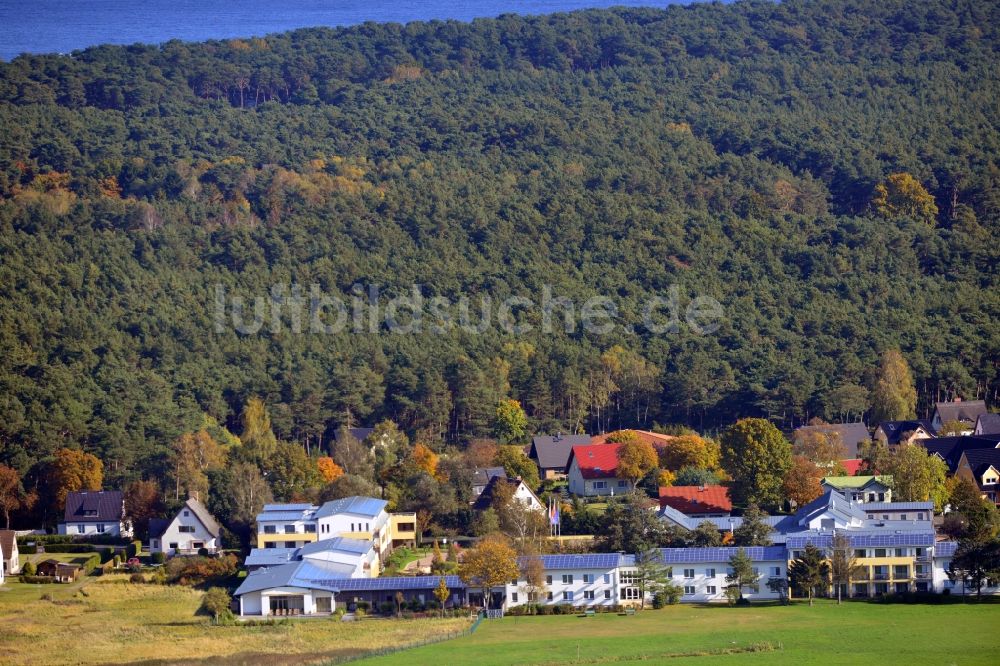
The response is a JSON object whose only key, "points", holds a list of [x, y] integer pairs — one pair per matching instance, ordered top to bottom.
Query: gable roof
{"points": [[960, 410], [988, 424], [894, 429], [851, 434], [950, 449], [552, 451], [979, 460], [598, 461], [852, 465], [482, 475], [855, 482], [485, 499], [693, 500], [94, 506], [368, 507], [205, 516], [157, 526], [8, 543]]}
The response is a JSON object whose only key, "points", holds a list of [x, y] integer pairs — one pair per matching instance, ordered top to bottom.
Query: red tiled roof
{"points": [[656, 439], [595, 462], [852, 466], [693, 500]]}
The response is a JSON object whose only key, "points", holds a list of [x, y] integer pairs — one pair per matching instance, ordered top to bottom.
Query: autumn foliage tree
{"points": [[902, 195], [894, 397], [690, 451], [194, 454], [422, 458], [636, 459], [329, 470], [68, 471], [802, 481], [12, 494], [142, 503], [492, 563]]}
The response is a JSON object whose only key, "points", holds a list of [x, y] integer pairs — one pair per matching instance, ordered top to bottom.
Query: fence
{"points": [[409, 646]]}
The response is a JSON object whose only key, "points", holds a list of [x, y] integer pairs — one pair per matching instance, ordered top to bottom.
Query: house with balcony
{"points": [[861, 489], [95, 512], [286, 525], [191, 531], [348, 558]]}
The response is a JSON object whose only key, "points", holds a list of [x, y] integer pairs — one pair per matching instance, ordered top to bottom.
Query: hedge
{"points": [[70, 548], [38, 579]]}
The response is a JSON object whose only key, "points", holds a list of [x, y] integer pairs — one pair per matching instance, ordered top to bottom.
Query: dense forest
{"points": [[827, 171]]}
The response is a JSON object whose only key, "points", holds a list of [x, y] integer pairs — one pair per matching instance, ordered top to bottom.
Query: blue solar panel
{"points": [[864, 540], [945, 549], [721, 554], [588, 561], [393, 583]]}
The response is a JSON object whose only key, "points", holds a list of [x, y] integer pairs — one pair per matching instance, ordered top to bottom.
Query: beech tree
{"points": [[903, 195], [510, 422], [690, 451], [757, 457], [636, 459], [68, 471], [918, 476], [802, 481], [12, 494], [492, 563]]}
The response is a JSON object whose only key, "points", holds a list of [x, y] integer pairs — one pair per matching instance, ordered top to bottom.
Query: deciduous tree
{"points": [[902, 195], [894, 397], [510, 422], [757, 457], [635, 460], [68, 471], [802, 482], [12, 494], [492, 563], [844, 567]]}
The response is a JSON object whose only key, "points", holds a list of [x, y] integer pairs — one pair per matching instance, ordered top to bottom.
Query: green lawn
{"points": [[854, 633]]}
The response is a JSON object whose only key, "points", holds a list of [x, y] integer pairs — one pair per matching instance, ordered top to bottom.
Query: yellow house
{"points": [[286, 525]]}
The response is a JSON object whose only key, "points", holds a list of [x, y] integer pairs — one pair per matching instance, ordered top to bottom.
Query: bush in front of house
{"points": [[159, 558], [28, 569], [198, 570], [137, 578], [38, 580]]}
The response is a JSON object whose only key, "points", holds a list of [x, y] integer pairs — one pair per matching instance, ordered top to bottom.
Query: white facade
{"points": [[594, 487], [105, 528], [186, 534], [706, 581], [578, 587], [287, 601]]}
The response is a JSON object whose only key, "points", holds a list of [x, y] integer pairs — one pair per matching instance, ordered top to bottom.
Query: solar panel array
{"points": [[897, 506], [287, 507], [282, 515], [864, 540], [945, 549], [721, 554], [588, 561], [393, 583]]}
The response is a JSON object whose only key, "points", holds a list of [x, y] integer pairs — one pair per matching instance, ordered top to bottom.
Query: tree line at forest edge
{"points": [[825, 170]]}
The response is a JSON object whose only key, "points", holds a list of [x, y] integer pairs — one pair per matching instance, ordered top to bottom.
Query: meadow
{"points": [[111, 621], [855, 632]]}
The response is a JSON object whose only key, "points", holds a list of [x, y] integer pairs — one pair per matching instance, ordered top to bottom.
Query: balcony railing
{"points": [[879, 575]]}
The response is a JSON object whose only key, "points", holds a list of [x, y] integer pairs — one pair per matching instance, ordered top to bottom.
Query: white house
{"points": [[522, 493], [95, 512], [357, 518], [286, 525], [190, 531], [9, 554], [348, 558], [580, 580]]}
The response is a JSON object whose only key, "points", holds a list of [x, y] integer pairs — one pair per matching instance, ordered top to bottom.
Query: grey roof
{"points": [[963, 410], [988, 424], [894, 429], [851, 434], [950, 449], [552, 451], [979, 459], [482, 475], [485, 499], [830, 502], [107, 505], [356, 506], [897, 506], [287, 507], [275, 515], [205, 516], [157, 526], [862, 539], [343, 544], [721, 554], [270, 557], [306, 574], [396, 583]]}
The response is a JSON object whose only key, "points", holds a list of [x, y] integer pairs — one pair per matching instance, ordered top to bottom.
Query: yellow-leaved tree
{"points": [[902, 195], [492, 563]]}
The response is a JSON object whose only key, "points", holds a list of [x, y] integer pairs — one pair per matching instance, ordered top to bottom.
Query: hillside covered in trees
{"points": [[826, 170]]}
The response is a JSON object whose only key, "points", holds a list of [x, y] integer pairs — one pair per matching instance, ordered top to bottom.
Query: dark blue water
{"points": [[61, 26]]}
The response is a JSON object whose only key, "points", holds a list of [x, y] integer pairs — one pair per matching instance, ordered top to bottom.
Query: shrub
{"points": [[69, 548], [133, 549], [27, 550], [159, 558], [29, 568], [198, 570], [137, 578], [38, 580], [46, 597], [215, 602], [364, 606], [387, 608], [360, 612]]}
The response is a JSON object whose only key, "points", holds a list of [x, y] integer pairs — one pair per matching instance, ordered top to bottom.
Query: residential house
{"points": [[965, 411], [987, 424], [896, 433], [850, 434], [658, 440], [950, 449], [551, 453], [982, 467], [592, 471], [482, 476], [861, 488], [521, 492], [698, 501], [899, 511], [95, 512], [357, 518], [286, 525], [192, 530], [944, 552], [10, 557], [348, 558], [61, 571], [701, 572]]}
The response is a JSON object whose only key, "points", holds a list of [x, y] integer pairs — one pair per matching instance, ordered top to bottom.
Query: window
{"points": [[621, 484], [600, 485], [187, 513], [885, 516], [902, 516], [920, 516], [100, 528], [366, 528], [79, 529], [186, 529], [270, 529], [289, 529], [310, 529], [154, 544], [270, 544], [290, 544], [173, 546], [860, 552], [880, 552], [900, 552], [921, 552], [775, 571], [689, 573], [709, 573], [629, 578], [567, 579], [607, 579], [548, 580], [689, 589], [711, 589], [630, 593], [607, 594], [568, 595], [589, 595], [549, 596], [513, 597], [323, 605]]}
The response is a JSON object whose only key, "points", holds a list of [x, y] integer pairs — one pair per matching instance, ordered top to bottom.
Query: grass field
{"points": [[117, 622], [854, 633]]}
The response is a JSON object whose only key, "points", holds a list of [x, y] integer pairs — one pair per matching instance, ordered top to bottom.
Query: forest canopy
{"points": [[827, 171]]}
